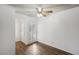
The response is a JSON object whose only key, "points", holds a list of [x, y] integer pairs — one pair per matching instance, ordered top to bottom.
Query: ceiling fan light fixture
{"points": [[43, 12]]}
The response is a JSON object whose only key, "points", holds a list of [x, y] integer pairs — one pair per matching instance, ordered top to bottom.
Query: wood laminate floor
{"points": [[38, 48]]}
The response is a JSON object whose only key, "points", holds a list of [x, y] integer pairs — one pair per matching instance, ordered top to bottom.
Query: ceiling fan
{"points": [[43, 12]]}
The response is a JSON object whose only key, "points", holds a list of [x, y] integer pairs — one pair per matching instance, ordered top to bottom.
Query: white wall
{"points": [[23, 28], [7, 30], [61, 30]]}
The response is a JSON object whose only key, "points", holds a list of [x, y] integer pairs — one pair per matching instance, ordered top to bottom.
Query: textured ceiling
{"points": [[30, 9]]}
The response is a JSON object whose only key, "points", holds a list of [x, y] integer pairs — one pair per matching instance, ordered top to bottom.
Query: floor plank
{"points": [[38, 48]]}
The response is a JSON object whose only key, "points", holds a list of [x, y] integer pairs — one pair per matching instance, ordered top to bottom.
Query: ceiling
{"points": [[30, 9]]}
